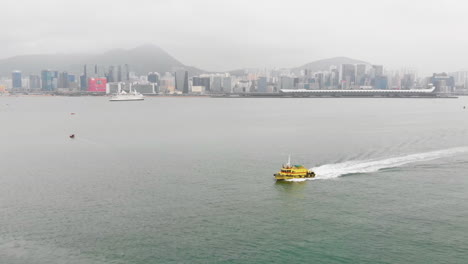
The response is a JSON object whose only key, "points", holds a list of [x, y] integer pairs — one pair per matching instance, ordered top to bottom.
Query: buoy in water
{"points": [[72, 136]]}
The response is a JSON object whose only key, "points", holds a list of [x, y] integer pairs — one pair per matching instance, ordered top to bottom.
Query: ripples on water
{"points": [[189, 180]]}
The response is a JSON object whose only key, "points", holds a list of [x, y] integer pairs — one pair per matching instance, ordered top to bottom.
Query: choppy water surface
{"points": [[189, 180]]}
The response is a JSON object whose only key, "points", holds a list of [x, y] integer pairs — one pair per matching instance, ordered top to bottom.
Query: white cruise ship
{"points": [[124, 96]]}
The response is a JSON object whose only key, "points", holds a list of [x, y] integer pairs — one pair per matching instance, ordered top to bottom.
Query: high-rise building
{"points": [[378, 70], [127, 72], [119, 73], [360, 74], [111, 75], [348, 76], [153, 77], [47, 78], [181, 78], [84, 79], [17, 80], [63, 81], [202, 81], [34, 82], [286, 82], [381, 82], [407, 82], [443, 82], [167, 83], [217, 84], [97, 85], [227, 85], [262, 85]]}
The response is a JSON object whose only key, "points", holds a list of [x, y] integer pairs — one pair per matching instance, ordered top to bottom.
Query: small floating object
{"points": [[72, 113], [72, 136], [290, 172]]}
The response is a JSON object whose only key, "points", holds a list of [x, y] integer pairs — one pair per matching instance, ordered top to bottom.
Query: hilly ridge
{"points": [[142, 59], [325, 64]]}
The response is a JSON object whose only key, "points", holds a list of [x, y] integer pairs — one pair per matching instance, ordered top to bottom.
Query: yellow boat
{"points": [[290, 172]]}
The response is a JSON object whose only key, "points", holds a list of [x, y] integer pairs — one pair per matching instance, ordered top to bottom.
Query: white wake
{"points": [[330, 171]]}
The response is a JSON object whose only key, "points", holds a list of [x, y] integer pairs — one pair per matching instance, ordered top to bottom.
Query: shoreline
{"points": [[247, 95]]}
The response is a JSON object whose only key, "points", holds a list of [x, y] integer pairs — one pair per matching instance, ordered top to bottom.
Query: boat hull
{"points": [[126, 99], [280, 177]]}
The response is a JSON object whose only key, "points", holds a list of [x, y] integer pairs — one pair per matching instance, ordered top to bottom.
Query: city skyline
{"points": [[246, 34]]}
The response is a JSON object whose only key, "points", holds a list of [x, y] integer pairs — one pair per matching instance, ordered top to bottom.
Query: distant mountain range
{"points": [[143, 59], [323, 65], [315, 66]]}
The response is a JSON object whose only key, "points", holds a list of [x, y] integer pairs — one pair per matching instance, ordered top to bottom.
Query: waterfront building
{"points": [[378, 70], [119, 73], [360, 74], [111, 75], [347, 76], [153, 77], [47, 79], [84, 79], [63, 80], [202, 80], [17, 81], [407, 81], [34, 82], [286, 82], [381, 82], [443, 82], [167, 83], [217, 83], [181, 84], [227, 84], [262, 84], [97, 85], [144, 88], [198, 89]]}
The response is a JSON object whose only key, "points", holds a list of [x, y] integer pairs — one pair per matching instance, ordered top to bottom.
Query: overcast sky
{"points": [[223, 35]]}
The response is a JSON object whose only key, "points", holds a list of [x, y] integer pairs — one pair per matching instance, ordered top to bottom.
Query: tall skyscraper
{"points": [[378, 70], [127, 72], [119, 73], [360, 74], [111, 75], [348, 76], [153, 77], [47, 78], [181, 78], [84, 79], [17, 81], [63, 81], [202, 81], [34, 82], [286, 82], [381, 82], [443, 82], [217, 84], [227, 85], [262, 85]]}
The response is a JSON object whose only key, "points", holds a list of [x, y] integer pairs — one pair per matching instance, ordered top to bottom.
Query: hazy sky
{"points": [[223, 35]]}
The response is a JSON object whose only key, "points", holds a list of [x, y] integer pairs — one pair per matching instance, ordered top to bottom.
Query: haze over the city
{"points": [[222, 35]]}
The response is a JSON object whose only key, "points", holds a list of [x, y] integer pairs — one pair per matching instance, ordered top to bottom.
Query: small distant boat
{"points": [[121, 95], [290, 172]]}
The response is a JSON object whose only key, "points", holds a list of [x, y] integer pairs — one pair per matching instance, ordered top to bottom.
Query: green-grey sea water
{"points": [[190, 180]]}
